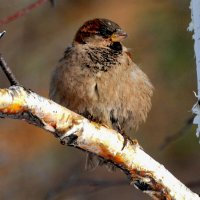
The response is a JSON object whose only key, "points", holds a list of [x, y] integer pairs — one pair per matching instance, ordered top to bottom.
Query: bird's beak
{"points": [[118, 35]]}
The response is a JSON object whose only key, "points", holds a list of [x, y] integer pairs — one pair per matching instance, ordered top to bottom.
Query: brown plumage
{"points": [[98, 79]]}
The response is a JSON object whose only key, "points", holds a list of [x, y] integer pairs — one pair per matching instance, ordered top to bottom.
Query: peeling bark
{"points": [[72, 129]]}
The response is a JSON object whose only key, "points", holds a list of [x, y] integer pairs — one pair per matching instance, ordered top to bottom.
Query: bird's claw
{"points": [[126, 139]]}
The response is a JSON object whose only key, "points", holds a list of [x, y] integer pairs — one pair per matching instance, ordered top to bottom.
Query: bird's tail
{"points": [[93, 161]]}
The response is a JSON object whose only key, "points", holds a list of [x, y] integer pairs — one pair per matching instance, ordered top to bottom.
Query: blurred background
{"points": [[33, 164]]}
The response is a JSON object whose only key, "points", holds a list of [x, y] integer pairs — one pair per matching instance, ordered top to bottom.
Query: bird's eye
{"points": [[105, 32]]}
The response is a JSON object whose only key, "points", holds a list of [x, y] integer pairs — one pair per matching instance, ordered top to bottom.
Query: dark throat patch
{"points": [[102, 59]]}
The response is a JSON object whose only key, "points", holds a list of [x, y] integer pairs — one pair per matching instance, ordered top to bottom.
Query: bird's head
{"points": [[100, 32]]}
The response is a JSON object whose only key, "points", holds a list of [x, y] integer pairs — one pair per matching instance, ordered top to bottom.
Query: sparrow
{"points": [[98, 79]]}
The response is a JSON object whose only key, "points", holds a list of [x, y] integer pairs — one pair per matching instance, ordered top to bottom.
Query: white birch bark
{"points": [[195, 27], [72, 129]]}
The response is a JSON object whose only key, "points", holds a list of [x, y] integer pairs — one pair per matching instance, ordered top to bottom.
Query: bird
{"points": [[97, 78]]}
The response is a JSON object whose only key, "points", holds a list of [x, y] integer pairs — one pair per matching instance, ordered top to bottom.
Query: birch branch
{"points": [[195, 26], [74, 130]]}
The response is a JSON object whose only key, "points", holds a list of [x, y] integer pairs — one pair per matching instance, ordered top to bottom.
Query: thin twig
{"points": [[23, 11], [2, 34], [7, 71], [169, 139], [74, 180], [94, 186]]}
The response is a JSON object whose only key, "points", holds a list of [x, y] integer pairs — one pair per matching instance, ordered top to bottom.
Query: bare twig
{"points": [[23, 11], [2, 34], [6, 69], [74, 130], [169, 139], [72, 180], [94, 186]]}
